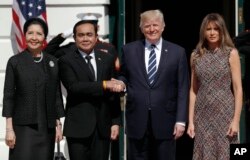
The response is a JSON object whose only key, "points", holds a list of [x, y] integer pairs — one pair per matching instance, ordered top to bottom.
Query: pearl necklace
{"points": [[41, 58]]}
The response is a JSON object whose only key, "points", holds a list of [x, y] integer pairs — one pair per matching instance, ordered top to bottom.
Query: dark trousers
{"points": [[91, 148], [150, 148], [115, 150]]}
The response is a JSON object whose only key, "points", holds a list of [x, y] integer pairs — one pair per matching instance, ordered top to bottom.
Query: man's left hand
{"points": [[178, 131], [114, 132]]}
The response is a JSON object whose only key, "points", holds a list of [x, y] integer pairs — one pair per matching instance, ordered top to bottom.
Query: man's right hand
{"points": [[115, 85]]}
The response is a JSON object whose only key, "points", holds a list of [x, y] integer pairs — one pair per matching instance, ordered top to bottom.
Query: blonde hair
{"points": [[151, 14]]}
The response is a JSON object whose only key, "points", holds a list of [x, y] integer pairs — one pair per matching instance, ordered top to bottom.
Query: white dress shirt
{"points": [[92, 60]]}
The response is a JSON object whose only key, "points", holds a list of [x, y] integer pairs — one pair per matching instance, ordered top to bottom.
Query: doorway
{"points": [[183, 19]]}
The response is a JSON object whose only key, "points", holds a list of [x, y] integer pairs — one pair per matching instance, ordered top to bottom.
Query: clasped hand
{"points": [[115, 85]]}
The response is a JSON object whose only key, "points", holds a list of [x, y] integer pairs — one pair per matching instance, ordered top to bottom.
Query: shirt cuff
{"points": [[181, 123]]}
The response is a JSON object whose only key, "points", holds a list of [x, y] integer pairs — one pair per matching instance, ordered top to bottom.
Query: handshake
{"points": [[114, 85]]}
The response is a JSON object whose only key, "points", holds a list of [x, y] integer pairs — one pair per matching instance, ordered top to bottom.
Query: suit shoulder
{"points": [[103, 43], [134, 44], [173, 44], [105, 47], [103, 53], [17, 56], [65, 56], [104, 56], [68, 57], [14, 59]]}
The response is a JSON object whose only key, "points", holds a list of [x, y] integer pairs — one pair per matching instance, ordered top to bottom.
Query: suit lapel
{"points": [[141, 60], [163, 60], [80, 61], [99, 65]]}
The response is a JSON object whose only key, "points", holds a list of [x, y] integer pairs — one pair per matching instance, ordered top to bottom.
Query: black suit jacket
{"points": [[56, 50], [20, 89], [167, 97], [88, 105]]}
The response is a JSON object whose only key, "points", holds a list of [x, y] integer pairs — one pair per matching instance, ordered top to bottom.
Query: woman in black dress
{"points": [[32, 102]]}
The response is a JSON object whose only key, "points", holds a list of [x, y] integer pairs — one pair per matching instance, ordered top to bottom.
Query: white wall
{"points": [[61, 15]]}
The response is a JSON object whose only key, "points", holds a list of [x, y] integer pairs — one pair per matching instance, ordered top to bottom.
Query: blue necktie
{"points": [[152, 65]]}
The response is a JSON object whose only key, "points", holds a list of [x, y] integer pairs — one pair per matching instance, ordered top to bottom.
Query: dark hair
{"points": [[38, 21], [94, 23]]}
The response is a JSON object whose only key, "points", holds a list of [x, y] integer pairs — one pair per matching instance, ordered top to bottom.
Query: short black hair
{"points": [[38, 21], [93, 22]]}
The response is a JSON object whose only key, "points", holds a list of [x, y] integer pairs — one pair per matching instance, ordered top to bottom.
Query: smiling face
{"points": [[152, 29], [212, 34], [35, 37], [85, 37]]}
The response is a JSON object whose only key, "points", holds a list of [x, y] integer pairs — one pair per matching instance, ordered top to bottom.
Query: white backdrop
{"points": [[61, 15]]}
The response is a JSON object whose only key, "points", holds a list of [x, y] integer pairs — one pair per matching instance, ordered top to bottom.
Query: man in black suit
{"points": [[54, 47], [155, 72], [92, 109]]}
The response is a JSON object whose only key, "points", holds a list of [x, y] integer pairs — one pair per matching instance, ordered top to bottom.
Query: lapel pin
{"points": [[104, 50], [51, 64]]}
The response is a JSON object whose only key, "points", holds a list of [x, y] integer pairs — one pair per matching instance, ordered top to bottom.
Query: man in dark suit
{"points": [[54, 47], [155, 72], [92, 109]]}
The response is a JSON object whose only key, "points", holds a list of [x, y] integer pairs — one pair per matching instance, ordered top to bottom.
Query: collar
{"points": [[158, 44], [92, 54]]}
